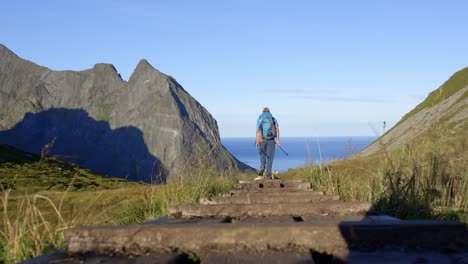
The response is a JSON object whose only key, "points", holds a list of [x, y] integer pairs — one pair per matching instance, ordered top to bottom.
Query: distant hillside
{"points": [[441, 118], [24, 172]]}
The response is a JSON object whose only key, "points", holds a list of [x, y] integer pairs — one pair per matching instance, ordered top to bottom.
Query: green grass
{"points": [[454, 84], [104, 112], [442, 129], [24, 172], [54, 175], [425, 179], [42, 199], [156, 200], [33, 224]]}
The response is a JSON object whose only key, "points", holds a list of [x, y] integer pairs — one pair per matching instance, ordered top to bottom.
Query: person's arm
{"points": [[278, 136], [257, 137]]}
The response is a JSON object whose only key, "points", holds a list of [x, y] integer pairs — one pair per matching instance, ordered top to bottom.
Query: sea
{"points": [[296, 152]]}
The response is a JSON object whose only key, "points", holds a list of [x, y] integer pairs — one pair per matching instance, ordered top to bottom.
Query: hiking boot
{"points": [[261, 171], [274, 174], [259, 178]]}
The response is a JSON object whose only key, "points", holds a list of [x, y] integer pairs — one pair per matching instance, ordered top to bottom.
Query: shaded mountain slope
{"points": [[24, 172]]}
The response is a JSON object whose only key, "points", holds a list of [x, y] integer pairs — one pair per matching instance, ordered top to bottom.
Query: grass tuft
{"points": [[425, 179], [33, 224]]}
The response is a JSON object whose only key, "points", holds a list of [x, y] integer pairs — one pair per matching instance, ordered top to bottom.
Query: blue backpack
{"points": [[267, 126]]}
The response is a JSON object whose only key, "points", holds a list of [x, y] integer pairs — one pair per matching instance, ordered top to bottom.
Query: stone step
{"points": [[284, 180], [277, 184], [272, 191], [271, 198], [243, 210], [285, 219], [334, 239], [354, 257]]}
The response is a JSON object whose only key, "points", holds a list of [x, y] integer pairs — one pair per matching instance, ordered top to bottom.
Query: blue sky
{"points": [[325, 68]]}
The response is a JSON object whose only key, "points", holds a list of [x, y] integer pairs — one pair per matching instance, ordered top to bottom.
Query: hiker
{"points": [[266, 133]]}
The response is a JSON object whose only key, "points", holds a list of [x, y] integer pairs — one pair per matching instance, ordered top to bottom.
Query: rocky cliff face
{"points": [[444, 113], [143, 129]]}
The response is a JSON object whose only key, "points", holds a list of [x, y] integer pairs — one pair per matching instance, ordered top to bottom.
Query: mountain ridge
{"points": [[176, 128]]}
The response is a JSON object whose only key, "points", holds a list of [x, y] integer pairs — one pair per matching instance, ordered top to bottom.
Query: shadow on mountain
{"points": [[87, 142], [18, 156]]}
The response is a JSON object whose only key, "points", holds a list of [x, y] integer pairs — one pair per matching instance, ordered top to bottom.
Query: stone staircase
{"points": [[269, 221]]}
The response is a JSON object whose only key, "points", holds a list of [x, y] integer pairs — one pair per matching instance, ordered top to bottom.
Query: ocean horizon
{"points": [[302, 151]]}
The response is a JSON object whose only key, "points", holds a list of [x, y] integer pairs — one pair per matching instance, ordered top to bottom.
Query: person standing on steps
{"points": [[266, 136]]}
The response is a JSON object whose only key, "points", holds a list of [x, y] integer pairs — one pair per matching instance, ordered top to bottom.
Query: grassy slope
{"points": [[456, 82], [24, 172], [425, 178], [41, 199]]}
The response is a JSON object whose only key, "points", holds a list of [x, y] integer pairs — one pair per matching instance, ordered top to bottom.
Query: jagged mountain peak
{"points": [[144, 63], [105, 66], [107, 69], [144, 70], [163, 129]]}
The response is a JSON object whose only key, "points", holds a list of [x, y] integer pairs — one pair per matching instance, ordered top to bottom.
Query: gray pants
{"points": [[267, 154]]}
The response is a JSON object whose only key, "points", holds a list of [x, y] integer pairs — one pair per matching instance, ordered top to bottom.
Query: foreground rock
{"points": [[142, 129], [267, 184], [270, 198], [273, 209], [269, 231], [335, 239]]}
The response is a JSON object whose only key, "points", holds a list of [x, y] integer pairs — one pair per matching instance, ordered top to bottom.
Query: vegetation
{"points": [[454, 84], [104, 112], [22, 172], [426, 179], [42, 196], [39, 202]]}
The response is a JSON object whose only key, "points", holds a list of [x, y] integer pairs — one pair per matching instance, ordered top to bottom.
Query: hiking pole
{"points": [[283, 150]]}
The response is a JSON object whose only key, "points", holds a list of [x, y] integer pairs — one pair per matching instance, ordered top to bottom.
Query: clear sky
{"points": [[325, 68]]}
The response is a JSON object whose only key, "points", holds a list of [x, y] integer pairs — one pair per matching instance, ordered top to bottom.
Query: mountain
{"points": [[441, 117], [147, 128]]}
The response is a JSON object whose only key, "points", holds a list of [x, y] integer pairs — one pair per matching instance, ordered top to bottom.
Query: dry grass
{"points": [[427, 179], [33, 224]]}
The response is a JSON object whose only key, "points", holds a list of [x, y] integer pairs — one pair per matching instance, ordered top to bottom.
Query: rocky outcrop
{"points": [[444, 113], [143, 129]]}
